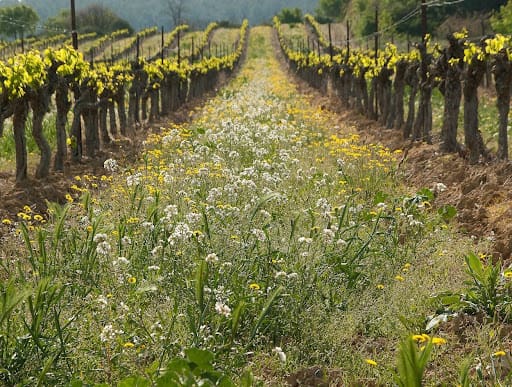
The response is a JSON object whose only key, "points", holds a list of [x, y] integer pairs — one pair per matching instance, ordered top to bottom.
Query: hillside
{"points": [[155, 12]]}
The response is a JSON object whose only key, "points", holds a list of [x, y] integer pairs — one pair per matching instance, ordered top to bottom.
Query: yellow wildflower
{"points": [[421, 338], [438, 341], [371, 362]]}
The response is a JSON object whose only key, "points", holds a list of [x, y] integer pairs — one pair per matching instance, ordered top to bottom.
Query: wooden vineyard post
{"points": [[330, 43], [77, 151]]}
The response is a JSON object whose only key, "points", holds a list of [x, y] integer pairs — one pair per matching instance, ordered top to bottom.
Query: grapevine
{"points": [[35, 76], [373, 83]]}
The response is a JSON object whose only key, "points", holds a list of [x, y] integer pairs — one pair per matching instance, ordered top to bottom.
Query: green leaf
{"points": [[426, 193], [380, 197], [261, 203], [447, 212], [475, 266], [201, 278], [10, 296], [453, 299], [266, 309], [235, 321], [203, 359], [152, 369], [247, 379], [136, 381], [225, 382]]}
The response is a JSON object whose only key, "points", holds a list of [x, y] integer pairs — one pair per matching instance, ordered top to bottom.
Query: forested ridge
{"points": [[156, 12]]}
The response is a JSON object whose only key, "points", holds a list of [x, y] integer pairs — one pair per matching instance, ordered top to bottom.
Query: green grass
{"points": [[487, 114], [7, 146]]}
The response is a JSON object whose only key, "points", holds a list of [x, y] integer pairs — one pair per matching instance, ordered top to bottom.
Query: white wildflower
{"points": [[167, 140], [111, 165], [203, 172], [168, 178], [133, 180], [440, 187], [381, 206], [171, 210], [193, 217], [148, 226], [181, 233], [259, 234], [328, 235], [98, 238], [126, 241], [341, 242], [103, 248], [156, 250], [212, 258], [121, 261], [102, 300], [222, 309], [107, 333], [280, 353]]}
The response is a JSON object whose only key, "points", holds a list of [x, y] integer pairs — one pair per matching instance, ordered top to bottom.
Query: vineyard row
{"points": [[63, 81], [375, 85]]}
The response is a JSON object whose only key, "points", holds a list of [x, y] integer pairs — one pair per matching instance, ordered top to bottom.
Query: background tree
{"points": [[176, 9], [332, 9], [290, 15], [94, 18], [100, 19], [18, 21], [60, 21], [502, 21]]}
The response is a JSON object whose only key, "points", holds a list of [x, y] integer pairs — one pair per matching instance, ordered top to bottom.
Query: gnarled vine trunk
{"points": [[450, 67], [502, 70], [413, 81], [40, 102], [63, 105], [89, 110], [121, 110], [20, 112], [112, 117], [396, 118], [103, 121], [422, 128], [472, 135]]}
